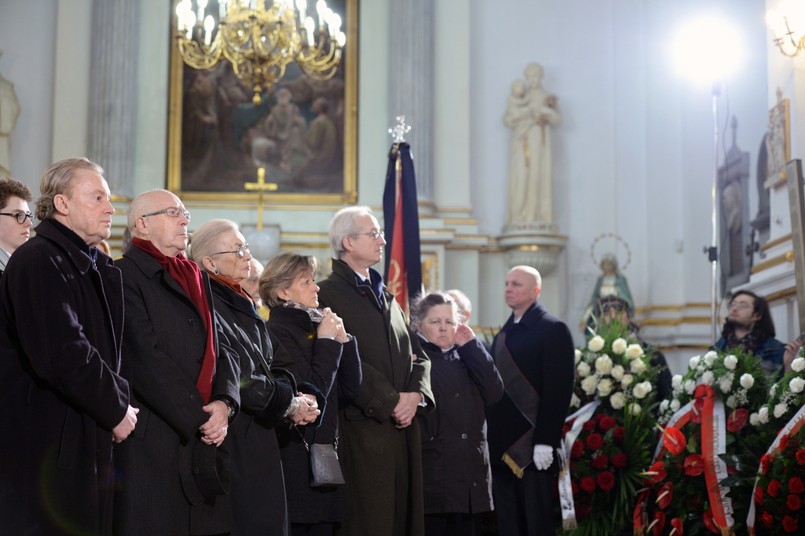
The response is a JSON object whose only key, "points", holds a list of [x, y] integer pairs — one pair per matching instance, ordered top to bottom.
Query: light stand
{"points": [[712, 251]]}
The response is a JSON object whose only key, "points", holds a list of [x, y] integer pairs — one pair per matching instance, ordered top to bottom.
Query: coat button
{"points": [[191, 321], [457, 395], [370, 412], [463, 436]]}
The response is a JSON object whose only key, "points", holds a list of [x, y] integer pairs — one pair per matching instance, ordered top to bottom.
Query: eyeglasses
{"points": [[173, 212], [19, 216], [374, 234], [241, 251]]}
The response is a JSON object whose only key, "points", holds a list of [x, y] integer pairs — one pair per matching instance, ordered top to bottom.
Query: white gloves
{"points": [[543, 456]]}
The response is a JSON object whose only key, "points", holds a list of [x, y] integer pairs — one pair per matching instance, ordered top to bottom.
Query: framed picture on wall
{"points": [[303, 133], [778, 142]]}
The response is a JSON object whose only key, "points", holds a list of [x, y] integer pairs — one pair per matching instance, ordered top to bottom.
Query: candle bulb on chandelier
{"points": [[202, 6], [301, 7], [209, 25], [309, 26]]}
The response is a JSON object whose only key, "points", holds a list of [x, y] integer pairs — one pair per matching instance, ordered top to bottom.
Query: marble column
{"points": [[412, 83], [113, 91]]}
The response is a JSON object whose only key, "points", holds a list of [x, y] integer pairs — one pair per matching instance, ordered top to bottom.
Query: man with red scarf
{"points": [[173, 477]]}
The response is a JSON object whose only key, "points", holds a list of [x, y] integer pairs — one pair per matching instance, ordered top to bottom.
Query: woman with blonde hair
{"points": [[324, 355]]}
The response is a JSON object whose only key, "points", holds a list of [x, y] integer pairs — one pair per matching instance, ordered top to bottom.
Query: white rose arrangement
{"points": [[614, 367], [734, 376], [785, 398]]}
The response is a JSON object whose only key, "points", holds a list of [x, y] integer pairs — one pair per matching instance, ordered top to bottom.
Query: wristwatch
{"points": [[230, 408]]}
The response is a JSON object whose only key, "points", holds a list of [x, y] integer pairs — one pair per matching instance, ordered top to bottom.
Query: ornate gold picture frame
{"points": [[217, 138], [778, 142]]}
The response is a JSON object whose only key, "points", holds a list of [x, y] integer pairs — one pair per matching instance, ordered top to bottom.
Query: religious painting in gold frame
{"points": [[217, 138], [778, 142]]}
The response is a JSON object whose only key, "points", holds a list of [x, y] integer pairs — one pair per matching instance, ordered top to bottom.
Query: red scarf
{"points": [[188, 275], [230, 283]]}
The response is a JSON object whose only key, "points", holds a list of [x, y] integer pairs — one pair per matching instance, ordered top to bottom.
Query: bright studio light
{"points": [[706, 50]]}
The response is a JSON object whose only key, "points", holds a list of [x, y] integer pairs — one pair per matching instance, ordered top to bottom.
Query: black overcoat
{"points": [[61, 325], [542, 347], [163, 348], [335, 370], [455, 455], [383, 463], [258, 492]]}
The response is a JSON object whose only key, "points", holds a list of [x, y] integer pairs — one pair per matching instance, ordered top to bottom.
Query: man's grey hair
{"points": [[58, 180], [343, 225]]}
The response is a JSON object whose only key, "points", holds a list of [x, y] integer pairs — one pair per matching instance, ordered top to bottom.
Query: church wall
{"points": [[27, 38], [633, 156]]}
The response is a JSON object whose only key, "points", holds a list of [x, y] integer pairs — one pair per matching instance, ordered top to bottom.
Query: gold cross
{"points": [[261, 186]]}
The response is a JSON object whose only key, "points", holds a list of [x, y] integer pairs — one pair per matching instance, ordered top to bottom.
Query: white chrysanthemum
{"points": [[595, 344], [619, 346], [633, 351], [578, 356], [709, 358], [694, 361], [730, 362], [603, 364], [798, 365], [637, 366], [583, 369], [617, 372], [707, 378], [627, 380], [676, 381], [747, 381], [725, 383], [589, 385], [796, 385], [690, 386], [605, 387], [641, 390], [773, 390], [575, 401], [617, 401], [730, 402], [664, 405], [675, 405], [635, 409], [780, 410], [763, 415], [754, 419]]}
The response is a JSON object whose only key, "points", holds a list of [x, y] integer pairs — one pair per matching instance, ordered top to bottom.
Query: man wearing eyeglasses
{"points": [[15, 218], [749, 325], [63, 401], [382, 448], [173, 477]]}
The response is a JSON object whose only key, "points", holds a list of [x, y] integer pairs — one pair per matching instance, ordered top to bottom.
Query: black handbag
{"points": [[325, 469]]}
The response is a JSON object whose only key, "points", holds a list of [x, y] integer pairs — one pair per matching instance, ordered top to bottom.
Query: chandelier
{"points": [[260, 41], [790, 42]]}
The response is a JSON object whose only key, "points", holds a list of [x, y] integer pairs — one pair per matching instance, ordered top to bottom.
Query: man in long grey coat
{"points": [[62, 399], [382, 452]]}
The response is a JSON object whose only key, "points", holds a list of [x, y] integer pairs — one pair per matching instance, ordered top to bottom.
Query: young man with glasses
{"points": [[15, 218], [749, 325]]}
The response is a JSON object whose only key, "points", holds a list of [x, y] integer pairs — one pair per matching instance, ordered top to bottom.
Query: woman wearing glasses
{"points": [[15, 218], [327, 357], [267, 394]]}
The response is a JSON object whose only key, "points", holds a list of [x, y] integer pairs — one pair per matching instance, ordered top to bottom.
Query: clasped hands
{"points": [[332, 327]]}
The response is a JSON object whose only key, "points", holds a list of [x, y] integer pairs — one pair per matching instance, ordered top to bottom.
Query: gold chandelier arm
{"points": [[198, 55]]}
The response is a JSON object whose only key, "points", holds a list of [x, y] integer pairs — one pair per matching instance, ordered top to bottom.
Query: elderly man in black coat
{"points": [[535, 357], [62, 399], [172, 474]]}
